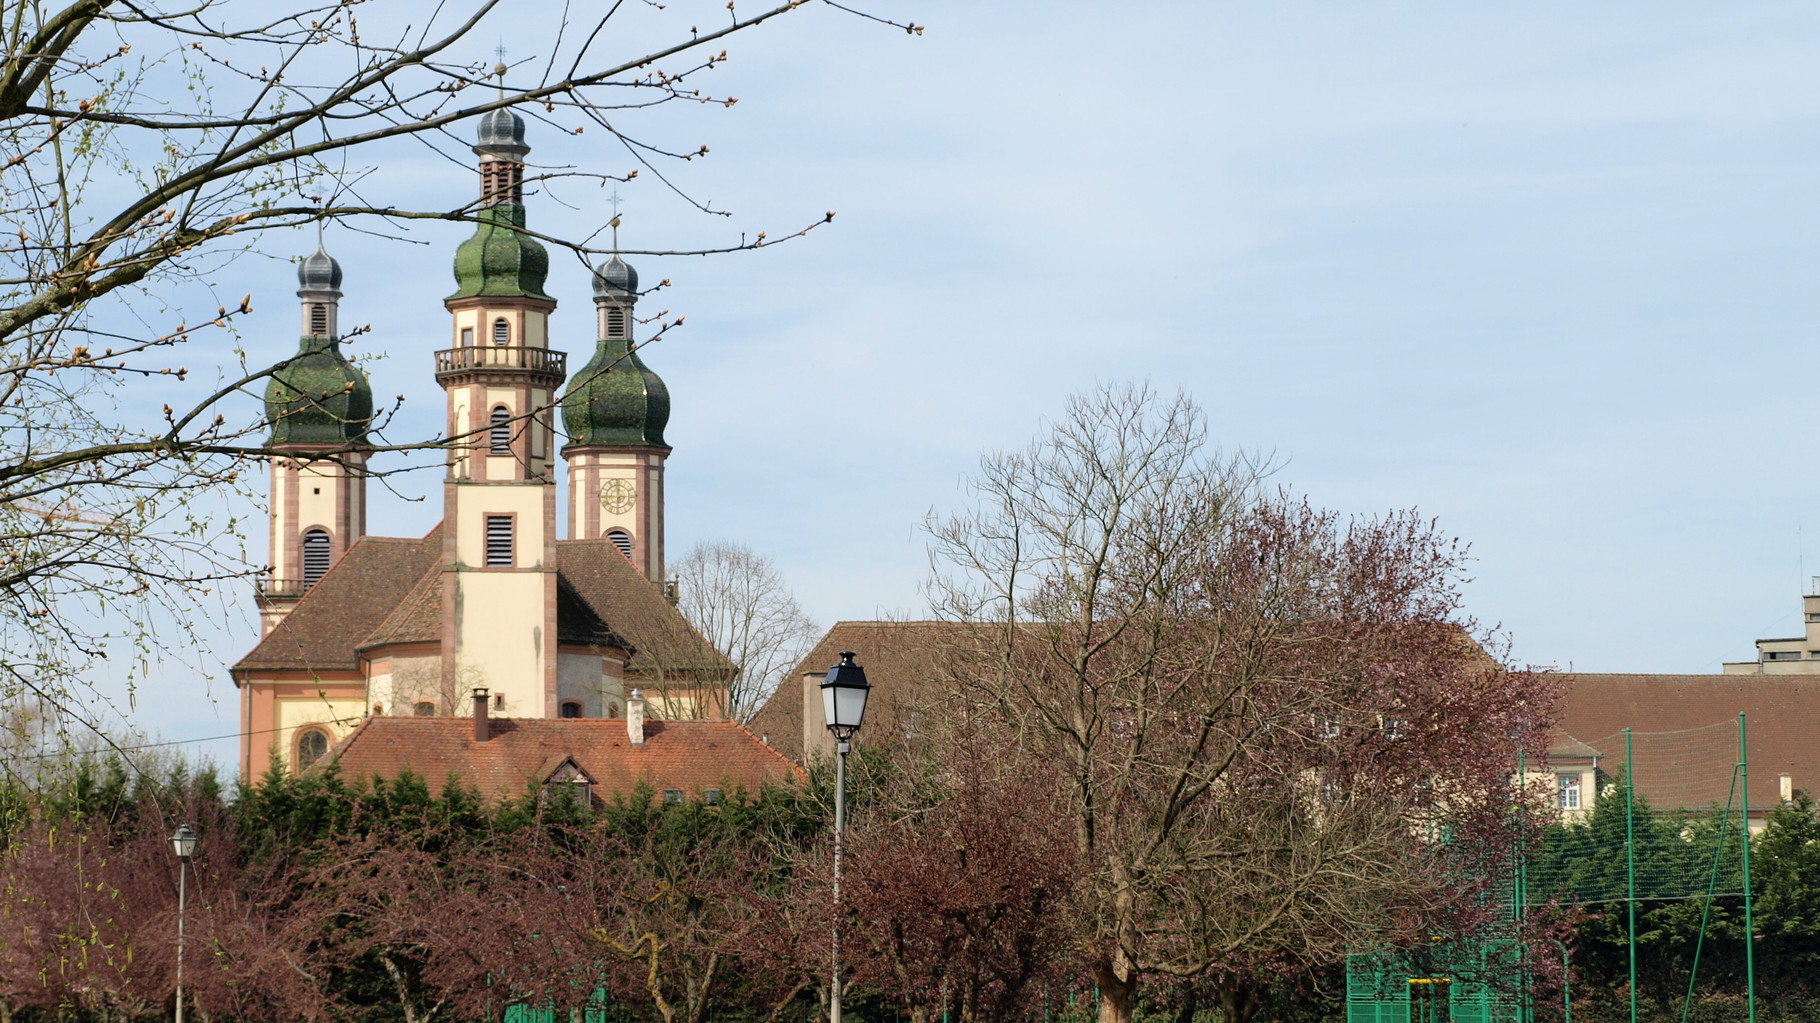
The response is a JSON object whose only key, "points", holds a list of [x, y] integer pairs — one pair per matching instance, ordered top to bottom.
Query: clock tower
{"points": [[615, 412]]}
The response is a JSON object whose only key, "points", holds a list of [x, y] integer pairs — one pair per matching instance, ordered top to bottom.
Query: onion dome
{"points": [[502, 131], [498, 261], [319, 273], [616, 279], [318, 397], [616, 400]]}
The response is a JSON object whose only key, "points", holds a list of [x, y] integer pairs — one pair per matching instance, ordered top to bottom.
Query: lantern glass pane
{"points": [[850, 704], [828, 717]]}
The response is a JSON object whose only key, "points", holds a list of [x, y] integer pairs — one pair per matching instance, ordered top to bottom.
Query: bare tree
{"points": [[142, 146], [740, 603], [1261, 709]]}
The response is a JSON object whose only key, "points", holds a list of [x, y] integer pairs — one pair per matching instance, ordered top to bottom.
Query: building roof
{"points": [[387, 590], [900, 658], [1684, 732], [688, 755]]}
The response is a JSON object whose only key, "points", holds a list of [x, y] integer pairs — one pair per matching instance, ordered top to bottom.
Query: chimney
{"points": [[635, 718], [482, 730], [1785, 787]]}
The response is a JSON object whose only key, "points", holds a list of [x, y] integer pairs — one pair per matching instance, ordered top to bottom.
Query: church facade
{"points": [[492, 602]]}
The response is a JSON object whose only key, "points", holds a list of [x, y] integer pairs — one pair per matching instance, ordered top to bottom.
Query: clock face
{"points": [[616, 496]]}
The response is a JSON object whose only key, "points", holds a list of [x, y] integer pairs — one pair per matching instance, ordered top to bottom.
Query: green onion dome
{"points": [[497, 261], [318, 397], [616, 400]]}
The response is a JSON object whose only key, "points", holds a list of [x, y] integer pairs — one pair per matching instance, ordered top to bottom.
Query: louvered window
{"points": [[319, 320], [616, 323], [502, 332], [502, 431], [499, 539], [622, 540], [315, 555]]}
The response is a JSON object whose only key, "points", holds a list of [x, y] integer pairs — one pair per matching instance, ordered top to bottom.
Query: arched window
{"points": [[319, 319], [502, 331], [501, 437], [622, 540], [315, 555], [424, 709], [570, 709], [312, 743]]}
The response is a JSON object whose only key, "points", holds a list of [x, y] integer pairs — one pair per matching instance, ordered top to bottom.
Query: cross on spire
{"points": [[499, 68]]}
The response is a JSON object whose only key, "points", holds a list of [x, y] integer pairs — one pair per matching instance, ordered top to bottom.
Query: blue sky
{"points": [[1542, 272]]}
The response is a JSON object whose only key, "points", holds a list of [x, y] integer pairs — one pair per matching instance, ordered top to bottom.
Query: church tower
{"points": [[319, 406], [615, 413], [499, 495]]}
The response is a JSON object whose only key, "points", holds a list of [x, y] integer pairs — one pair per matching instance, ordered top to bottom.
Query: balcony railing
{"points": [[475, 357], [269, 588]]}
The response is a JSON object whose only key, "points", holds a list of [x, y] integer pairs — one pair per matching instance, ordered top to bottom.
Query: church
{"points": [[370, 645]]}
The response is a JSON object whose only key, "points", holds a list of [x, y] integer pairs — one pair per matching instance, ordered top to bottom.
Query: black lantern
{"points": [[844, 697], [184, 841]]}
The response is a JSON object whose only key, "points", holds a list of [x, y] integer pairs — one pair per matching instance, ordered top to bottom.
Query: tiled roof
{"points": [[389, 590], [348, 603], [665, 642], [900, 658], [1684, 732], [687, 755]]}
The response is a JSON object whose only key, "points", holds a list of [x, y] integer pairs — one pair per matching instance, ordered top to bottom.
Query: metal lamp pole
{"points": [[843, 707], [184, 843]]}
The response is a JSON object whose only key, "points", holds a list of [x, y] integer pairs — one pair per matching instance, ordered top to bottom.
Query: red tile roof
{"points": [[354, 599], [901, 660], [1684, 732], [688, 755]]}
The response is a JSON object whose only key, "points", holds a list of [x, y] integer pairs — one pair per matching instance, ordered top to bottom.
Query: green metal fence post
{"points": [[1630, 866], [1750, 938]]}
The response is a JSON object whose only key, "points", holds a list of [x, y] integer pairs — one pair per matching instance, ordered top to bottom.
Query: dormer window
{"points": [[502, 331]]}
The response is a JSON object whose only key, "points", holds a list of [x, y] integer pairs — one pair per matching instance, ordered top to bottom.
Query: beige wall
{"points": [[474, 503], [499, 628], [597, 682], [398, 684], [337, 716]]}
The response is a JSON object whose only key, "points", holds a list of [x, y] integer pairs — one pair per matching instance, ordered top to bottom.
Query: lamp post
{"points": [[843, 706], [184, 842]]}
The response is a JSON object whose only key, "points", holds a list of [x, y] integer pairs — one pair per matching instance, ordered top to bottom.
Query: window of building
{"points": [[319, 319], [616, 322], [502, 331], [467, 337], [501, 436], [499, 539], [622, 540], [315, 555], [1813, 616], [1782, 655], [499, 701], [424, 709], [570, 709], [1326, 727], [1396, 728], [312, 743], [1567, 789], [672, 796], [710, 796]]}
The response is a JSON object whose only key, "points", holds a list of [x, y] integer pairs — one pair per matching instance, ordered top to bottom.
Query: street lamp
{"points": [[843, 706], [184, 843]]}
